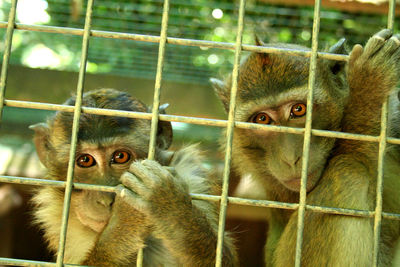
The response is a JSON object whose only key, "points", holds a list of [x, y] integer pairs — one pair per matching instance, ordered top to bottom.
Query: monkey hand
{"points": [[374, 71], [157, 192], [122, 211], [125, 226], [124, 234]]}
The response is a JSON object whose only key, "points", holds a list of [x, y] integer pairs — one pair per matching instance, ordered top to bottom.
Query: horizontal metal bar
{"points": [[173, 40], [198, 121], [233, 200], [30, 263]]}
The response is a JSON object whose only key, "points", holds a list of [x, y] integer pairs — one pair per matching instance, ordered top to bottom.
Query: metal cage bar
{"points": [[173, 40], [7, 53], [156, 99], [199, 121], [307, 133], [229, 135], [74, 137], [381, 156], [379, 185], [233, 200], [378, 214]]}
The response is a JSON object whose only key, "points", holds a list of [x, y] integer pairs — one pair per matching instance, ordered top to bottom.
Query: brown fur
{"points": [[341, 173], [155, 211]]}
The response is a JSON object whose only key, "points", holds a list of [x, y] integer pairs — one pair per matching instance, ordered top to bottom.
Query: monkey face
{"points": [[273, 90], [106, 148], [279, 155], [99, 163], [103, 163]]}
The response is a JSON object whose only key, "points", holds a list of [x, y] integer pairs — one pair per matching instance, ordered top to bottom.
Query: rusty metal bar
{"points": [[175, 41], [7, 54], [156, 99], [198, 121], [307, 134], [229, 135], [74, 137], [381, 158], [233, 200], [18, 262]]}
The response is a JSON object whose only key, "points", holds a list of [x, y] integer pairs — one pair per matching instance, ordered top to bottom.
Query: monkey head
{"points": [[272, 89], [106, 147]]}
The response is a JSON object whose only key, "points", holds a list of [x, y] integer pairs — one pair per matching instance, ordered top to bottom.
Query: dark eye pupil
{"points": [[298, 108], [262, 118], [120, 155], [85, 159]]}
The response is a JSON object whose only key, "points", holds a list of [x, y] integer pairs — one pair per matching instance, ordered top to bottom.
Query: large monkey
{"points": [[272, 89], [154, 210]]}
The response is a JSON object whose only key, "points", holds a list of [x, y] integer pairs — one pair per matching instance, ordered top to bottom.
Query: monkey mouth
{"points": [[294, 184], [96, 223]]}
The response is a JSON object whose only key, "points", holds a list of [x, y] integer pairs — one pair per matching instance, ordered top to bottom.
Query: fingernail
{"points": [[123, 193]]}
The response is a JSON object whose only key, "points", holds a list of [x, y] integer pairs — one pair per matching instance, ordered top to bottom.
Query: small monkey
{"points": [[272, 89], [154, 210]]}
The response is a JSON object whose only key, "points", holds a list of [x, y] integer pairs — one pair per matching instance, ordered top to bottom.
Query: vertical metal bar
{"points": [[391, 14], [7, 53], [157, 86], [156, 99], [307, 133], [229, 135], [74, 137], [381, 157], [379, 184]]}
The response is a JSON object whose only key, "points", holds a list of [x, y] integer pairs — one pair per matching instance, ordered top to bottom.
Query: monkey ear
{"points": [[338, 48], [222, 92], [164, 131], [41, 140]]}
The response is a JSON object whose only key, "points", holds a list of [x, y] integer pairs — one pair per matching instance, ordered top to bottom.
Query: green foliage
{"points": [[190, 19]]}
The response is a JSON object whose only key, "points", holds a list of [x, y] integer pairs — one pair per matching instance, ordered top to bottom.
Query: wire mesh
{"points": [[230, 124], [307, 133], [229, 135], [74, 137]]}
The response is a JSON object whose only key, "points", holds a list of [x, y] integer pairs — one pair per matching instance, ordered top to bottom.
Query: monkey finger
{"points": [[396, 40], [376, 42], [391, 46], [356, 52], [171, 170], [161, 171], [147, 175], [134, 183], [133, 200]]}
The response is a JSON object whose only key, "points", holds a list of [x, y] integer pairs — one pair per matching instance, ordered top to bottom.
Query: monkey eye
{"points": [[298, 110], [261, 118], [120, 157], [85, 161]]}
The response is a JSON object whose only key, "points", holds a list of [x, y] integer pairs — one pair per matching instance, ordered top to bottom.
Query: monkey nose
{"points": [[291, 162], [106, 199]]}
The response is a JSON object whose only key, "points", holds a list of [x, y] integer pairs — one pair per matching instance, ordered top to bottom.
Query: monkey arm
{"points": [[276, 224], [187, 227], [333, 240]]}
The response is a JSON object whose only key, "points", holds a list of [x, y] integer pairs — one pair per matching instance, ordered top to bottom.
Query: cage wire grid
{"points": [[230, 124]]}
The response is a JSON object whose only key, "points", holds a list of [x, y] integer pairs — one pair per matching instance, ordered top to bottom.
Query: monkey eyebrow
{"points": [[276, 99]]}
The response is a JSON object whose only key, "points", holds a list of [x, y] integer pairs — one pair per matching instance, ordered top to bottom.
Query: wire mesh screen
{"points": [[164, 34]]}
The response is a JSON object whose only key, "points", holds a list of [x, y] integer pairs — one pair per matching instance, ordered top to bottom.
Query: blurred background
{"points": [[43, 68]]}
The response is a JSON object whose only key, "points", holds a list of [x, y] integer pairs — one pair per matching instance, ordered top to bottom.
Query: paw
{"points": [[381, 52], [377, 66], [153, 189]]}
